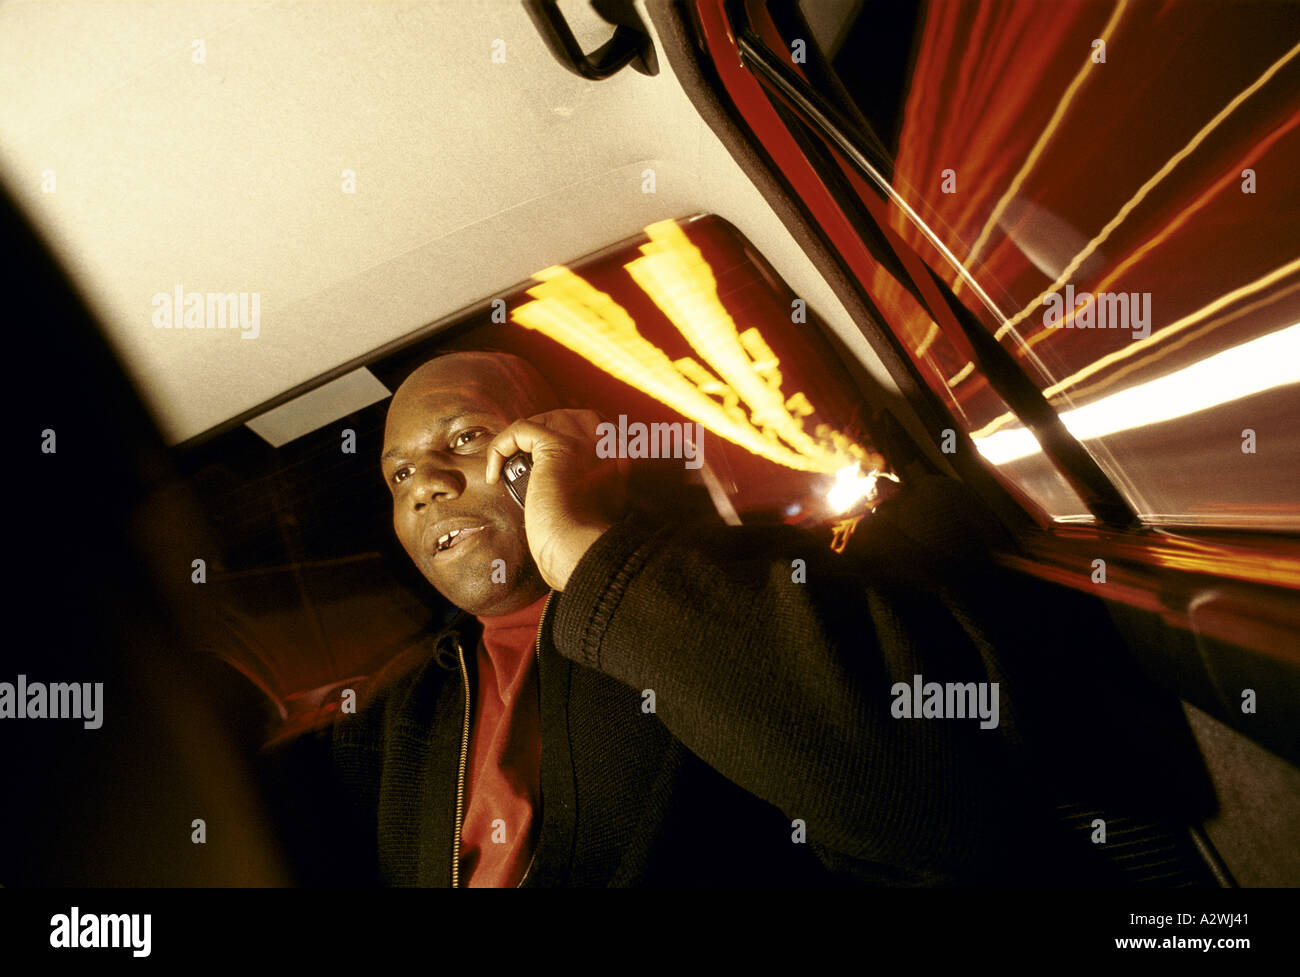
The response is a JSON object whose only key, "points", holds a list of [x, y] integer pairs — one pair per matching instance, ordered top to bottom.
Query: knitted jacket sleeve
{"points": [[774, 660]]}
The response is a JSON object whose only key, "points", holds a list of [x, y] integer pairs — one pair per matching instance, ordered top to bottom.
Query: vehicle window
{"points": [[1113, 180]]}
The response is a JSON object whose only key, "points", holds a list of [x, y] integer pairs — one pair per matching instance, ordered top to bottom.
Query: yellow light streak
{"points": [[1044, 137], [1145, 189], [1166, 232], [674, 274], [1140, 345], [1242, 371], [961, 375], [1113, 378], [745, 405], [842, 532]]}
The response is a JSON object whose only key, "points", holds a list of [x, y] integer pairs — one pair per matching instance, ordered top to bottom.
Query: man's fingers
{"points": [[587, 422], [578, 424], [526, 435], [510, 442]]}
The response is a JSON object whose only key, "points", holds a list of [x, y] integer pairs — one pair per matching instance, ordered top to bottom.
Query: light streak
{"points": [[1040, 144], [1230, 177], [1131, 204], [675, 275], [1179, 325], [1242, 371], [851, 486]]}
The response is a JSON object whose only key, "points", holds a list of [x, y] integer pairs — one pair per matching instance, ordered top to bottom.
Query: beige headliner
{"points": [[226, 175]]}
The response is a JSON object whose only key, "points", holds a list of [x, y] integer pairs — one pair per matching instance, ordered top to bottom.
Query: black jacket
{"points": [[772, 756]]}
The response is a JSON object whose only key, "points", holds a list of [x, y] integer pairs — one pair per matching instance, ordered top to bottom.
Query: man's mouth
{"points": [[449, 541]]}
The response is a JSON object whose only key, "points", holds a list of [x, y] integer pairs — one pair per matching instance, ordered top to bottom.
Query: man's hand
{"points": [[573, 496]]}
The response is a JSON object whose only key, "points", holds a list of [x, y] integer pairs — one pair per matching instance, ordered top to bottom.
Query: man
{"points": [[624, 702]]}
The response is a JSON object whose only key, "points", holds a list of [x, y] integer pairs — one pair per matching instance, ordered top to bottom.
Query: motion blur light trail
{"points": [[1044, 137], [1145, 189], [1129, 206], [1167, 231], [675, 275], [575, 314], [1110, 359], [1242, 371], [851, 485]]}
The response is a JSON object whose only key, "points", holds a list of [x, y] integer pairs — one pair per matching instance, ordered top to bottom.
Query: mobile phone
{"points": [[515, 471]]}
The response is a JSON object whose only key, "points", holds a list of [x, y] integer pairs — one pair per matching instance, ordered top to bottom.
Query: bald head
{"points": [[512, 382]]}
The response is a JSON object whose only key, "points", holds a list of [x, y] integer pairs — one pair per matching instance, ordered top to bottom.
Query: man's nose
{"points": [[435, 481]]}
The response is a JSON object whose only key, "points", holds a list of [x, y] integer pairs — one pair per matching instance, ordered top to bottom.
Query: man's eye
{"points": [[468, 436], [402, 474]]}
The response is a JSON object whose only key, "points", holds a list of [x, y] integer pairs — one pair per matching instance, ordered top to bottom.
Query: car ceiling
{"points": [[227, 175]]}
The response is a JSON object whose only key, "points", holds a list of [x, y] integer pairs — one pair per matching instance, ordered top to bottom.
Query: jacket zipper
{"points": [[464, 749], [460, 771]]}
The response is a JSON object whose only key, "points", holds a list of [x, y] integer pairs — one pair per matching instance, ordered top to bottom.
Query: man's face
{"points": [[435, 445]]}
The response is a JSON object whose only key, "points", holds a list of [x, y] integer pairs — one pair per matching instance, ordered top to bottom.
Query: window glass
{"points": [[1117, 183]]}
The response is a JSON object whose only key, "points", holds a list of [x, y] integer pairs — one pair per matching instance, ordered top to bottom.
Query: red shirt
{"points": [[505, 753]]}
